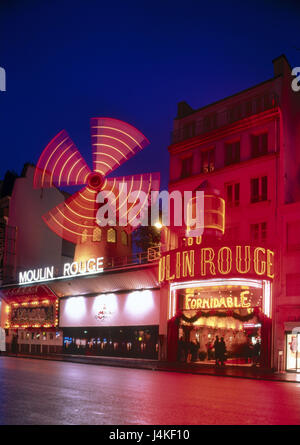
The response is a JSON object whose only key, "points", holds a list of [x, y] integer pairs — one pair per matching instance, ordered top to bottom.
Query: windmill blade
{"points": [[114, 142], [61, 164], [129, 197], [75, 219]]}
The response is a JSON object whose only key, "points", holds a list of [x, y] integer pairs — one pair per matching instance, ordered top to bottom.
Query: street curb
{"points": [[270, 378]]}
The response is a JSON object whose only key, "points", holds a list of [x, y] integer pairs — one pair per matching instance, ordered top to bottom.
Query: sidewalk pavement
{"points": [[155, 365]]}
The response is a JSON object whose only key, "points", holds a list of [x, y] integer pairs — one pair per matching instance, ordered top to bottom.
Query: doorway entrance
{"points": [[293, 351]]}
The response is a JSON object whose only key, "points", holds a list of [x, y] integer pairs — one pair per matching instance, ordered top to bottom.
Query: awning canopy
{"points": [[134, 278], [27, 293]]}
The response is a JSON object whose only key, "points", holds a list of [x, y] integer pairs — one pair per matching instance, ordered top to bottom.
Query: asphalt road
{"points": [[40, 392]]}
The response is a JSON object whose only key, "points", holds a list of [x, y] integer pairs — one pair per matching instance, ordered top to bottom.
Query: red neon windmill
{"points": [[61, 164]]}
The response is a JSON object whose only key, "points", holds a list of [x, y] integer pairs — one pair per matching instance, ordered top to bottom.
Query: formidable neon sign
{"points": [[182, 264], [91, 266], [218, 303]]}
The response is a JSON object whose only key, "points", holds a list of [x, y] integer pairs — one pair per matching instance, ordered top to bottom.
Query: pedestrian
{"points": [[2, 340], [14, 344], [197, 347], [209, 347], [189, 349], [222, 349], [181, 350], [194, 350], [217, 350], [249, 351], [256, 353]]}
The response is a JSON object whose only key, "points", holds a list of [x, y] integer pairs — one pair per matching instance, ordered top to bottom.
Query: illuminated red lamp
{"points": [[214, 214]]}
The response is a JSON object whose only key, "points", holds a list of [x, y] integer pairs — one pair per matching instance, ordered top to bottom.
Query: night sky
{"points": [[67, 61]]}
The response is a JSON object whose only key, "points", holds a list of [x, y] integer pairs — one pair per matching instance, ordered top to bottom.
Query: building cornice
{"points": [[222, 132], [242, 164]]}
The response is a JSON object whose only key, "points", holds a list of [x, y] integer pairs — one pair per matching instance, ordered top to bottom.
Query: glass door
{"points": [[293, 352]]}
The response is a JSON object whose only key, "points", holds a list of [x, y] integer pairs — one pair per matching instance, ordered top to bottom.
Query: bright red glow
{"points": [[114, 142], [61, 164], [76, 217]]}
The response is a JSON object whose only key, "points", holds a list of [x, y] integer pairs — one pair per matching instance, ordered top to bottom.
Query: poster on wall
{"points": [[29, 316]]}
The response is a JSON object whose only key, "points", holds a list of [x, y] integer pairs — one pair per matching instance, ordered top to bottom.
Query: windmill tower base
{"points": [[112, 242]]}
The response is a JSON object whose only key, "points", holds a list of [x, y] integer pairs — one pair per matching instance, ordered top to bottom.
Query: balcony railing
{"points": [[213, 121], [132, 260], [122, 262]]}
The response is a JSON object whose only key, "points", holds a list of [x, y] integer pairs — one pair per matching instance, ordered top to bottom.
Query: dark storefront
{"points": [[124, 341]]}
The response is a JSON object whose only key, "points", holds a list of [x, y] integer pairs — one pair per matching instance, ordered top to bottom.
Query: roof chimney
{"points": [[281, 66], [183, 110]]}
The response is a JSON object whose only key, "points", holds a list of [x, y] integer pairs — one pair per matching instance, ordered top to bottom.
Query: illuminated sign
{"points": [[208, 262], [91, 266], [207, 298], [218, 303], [103, 313], [33, 314]]}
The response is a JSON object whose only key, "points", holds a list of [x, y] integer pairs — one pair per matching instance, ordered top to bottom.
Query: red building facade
{"points": [[246, 148], [240, 280]]}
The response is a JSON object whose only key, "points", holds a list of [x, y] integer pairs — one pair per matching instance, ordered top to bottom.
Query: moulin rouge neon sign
{"points": [[209, 262], [89, 267]]}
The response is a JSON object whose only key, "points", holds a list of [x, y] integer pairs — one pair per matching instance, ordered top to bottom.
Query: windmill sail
{"points": [[61, 164]]}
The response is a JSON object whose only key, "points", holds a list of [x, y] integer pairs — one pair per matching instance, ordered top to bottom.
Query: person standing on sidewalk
{"points": [[2, 340], [14, 344], [222, 348], [217, 351], [256, 353]]}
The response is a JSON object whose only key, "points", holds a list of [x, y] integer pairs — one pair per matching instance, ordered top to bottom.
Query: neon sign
{"points": [[198, 262], [89, 267], [222, 298], [218, 303], [33, 314]]}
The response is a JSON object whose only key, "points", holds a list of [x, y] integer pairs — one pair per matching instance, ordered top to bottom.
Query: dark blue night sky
{"points": [[67, 61]]}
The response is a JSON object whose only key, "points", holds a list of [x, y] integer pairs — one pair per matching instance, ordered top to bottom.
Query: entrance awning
{"points": [[132, 278], [135, 278], [23, 293], [292, 325]]}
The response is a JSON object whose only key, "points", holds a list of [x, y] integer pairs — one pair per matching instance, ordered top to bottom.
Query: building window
{"points": [[267, 101], [258, 105], [248, 108], [234, 113], [210, 122], [189, 130], [259, 145], [232, 153], [208, 161], [186, 167], [259, 189], [233, 194], [258, 232], [97, 234], [293, 235], [84, 236], [111, 236], [124, 238]]}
